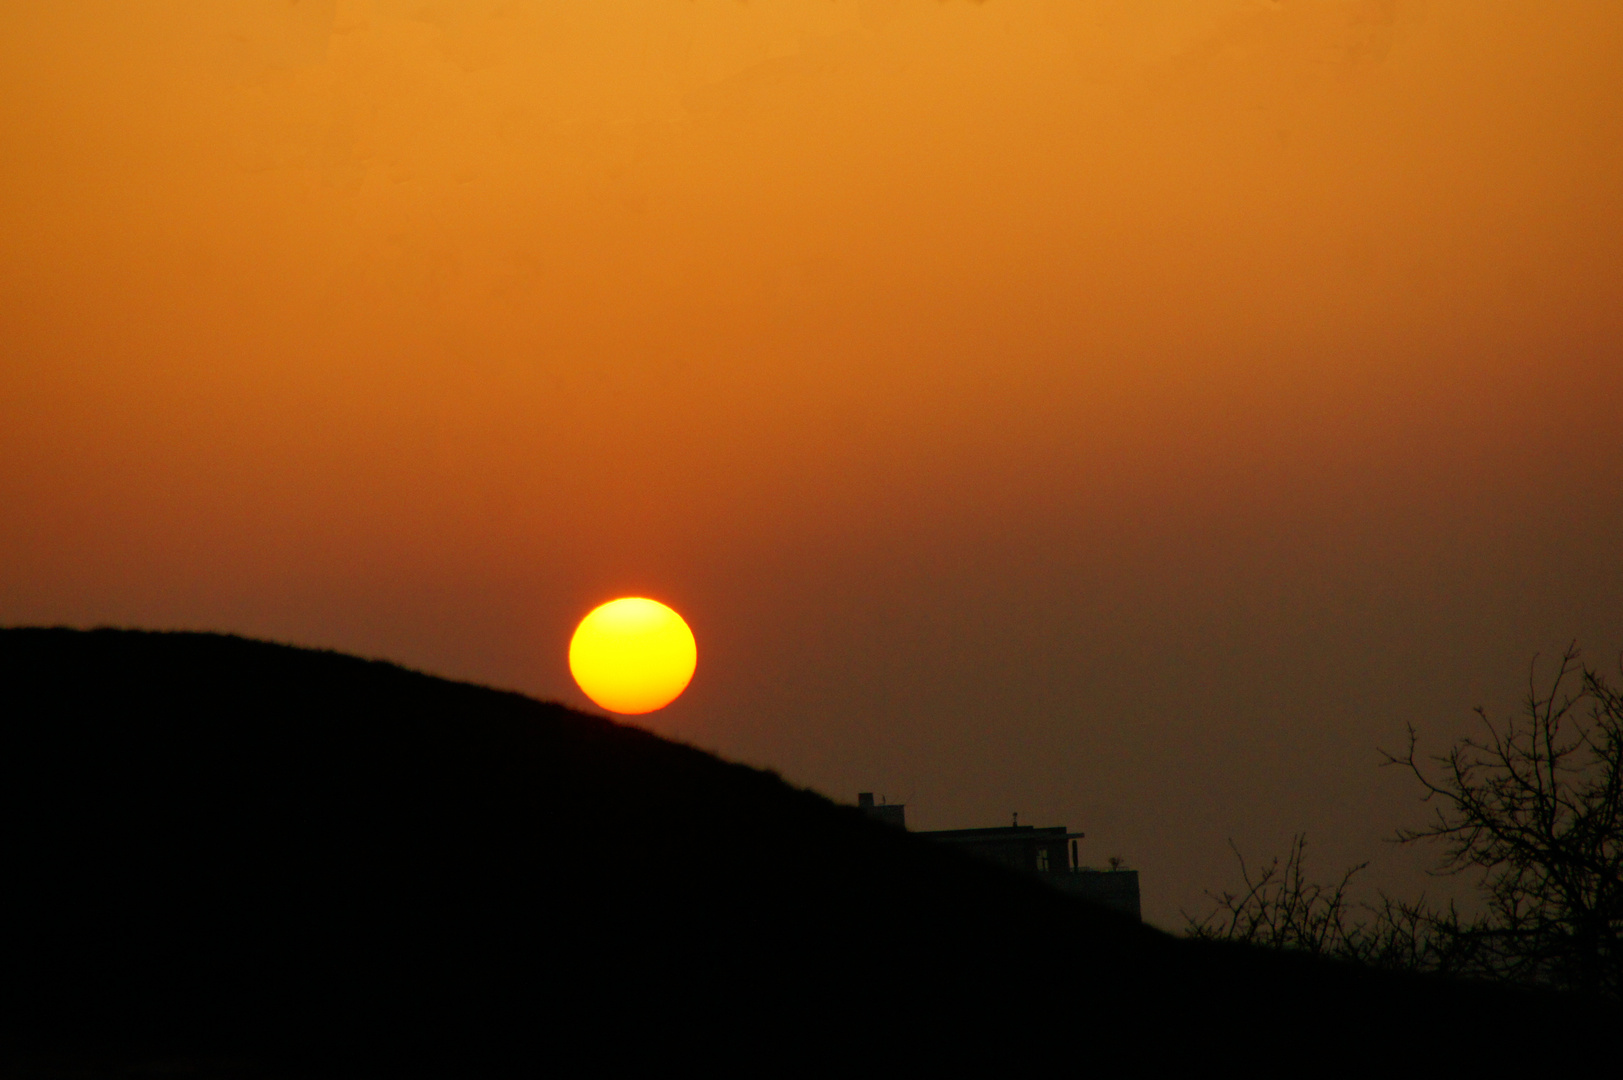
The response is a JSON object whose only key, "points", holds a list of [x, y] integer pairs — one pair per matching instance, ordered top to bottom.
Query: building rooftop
{"points": [[1050, 852]]}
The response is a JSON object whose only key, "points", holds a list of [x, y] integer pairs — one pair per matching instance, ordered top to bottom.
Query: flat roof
{"points": [[1006, 832]]}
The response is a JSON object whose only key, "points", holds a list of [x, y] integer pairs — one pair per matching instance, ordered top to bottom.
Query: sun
{"points": [[632, 655]]}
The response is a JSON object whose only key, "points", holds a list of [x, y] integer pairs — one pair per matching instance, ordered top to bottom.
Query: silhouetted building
{"points": [[891, 815], [1049, 852]]}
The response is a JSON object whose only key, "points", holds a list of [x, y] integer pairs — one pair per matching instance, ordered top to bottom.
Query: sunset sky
{"points": [[1128, 414]]}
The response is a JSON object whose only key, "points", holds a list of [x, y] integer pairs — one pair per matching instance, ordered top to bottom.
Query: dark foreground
{"points": [[228, 858]]}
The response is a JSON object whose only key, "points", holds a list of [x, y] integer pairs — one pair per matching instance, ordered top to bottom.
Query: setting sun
{"points": [[632, 655]]}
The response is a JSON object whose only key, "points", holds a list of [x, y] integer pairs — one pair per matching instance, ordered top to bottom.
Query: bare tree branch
{"points": [[1533, 805]]}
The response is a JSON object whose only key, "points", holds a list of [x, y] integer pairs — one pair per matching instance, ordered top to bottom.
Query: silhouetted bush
{"points": [[1533, 805]]}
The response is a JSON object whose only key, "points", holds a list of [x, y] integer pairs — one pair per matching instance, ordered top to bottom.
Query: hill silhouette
{"points": [[221, 850]]}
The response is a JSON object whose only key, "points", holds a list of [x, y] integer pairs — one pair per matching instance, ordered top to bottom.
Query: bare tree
{"points": [[1535, 805], [1280, 907]]}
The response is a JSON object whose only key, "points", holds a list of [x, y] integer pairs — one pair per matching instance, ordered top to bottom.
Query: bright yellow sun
{"points": [[632, 655]]}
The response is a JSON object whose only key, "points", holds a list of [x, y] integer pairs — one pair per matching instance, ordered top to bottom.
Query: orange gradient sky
{"points": [[1125, 413]]}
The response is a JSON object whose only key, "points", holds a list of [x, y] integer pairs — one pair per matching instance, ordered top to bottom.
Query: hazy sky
{"points": [[1125, 413]]}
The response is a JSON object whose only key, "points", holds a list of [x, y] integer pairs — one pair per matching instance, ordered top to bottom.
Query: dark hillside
{"points": [[220, 848]]}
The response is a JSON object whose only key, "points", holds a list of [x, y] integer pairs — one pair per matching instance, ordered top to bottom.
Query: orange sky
{"points": [[1125, 413]]}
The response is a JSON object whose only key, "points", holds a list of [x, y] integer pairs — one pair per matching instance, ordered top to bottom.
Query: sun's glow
{"points": [[633, 655]]}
